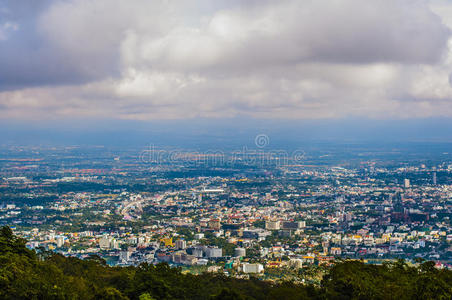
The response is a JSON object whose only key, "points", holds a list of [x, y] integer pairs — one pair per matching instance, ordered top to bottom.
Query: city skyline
{"points": [[225, 149]]}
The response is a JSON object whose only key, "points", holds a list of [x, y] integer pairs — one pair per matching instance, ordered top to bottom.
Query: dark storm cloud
{"points": [[372, 31], [243, 35], [29, 58]]}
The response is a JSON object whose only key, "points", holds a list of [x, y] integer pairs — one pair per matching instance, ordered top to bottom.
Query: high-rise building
{"points": [[434, 178], [407, 183], [214, 224], [272, 225], [292, 225], [60, 241], [104, 242], [114, 243], [181, 244], [214, 252], [239, 252], [124, 256]]}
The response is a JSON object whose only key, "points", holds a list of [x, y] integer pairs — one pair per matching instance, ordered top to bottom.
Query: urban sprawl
{"points": [[273, 220]]}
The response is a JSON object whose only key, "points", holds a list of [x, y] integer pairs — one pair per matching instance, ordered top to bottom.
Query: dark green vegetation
{"points": [[25, 274]]}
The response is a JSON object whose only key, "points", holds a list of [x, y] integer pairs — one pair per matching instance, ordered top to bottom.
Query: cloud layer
{"points": [[267, 59]]}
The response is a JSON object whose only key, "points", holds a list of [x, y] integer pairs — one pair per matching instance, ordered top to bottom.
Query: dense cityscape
{"points": [[225, 150], [270, 214]]}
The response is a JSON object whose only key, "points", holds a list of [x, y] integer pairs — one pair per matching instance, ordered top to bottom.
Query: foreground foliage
{"points": [[27, 275]]}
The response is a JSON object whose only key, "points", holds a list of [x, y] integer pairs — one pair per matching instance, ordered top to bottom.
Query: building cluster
{"points": [[247, 221]]}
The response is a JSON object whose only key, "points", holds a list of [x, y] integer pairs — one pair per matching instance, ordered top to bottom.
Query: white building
{"points": [[407, 183], [272, 225], [199, 236], [60, 241], [104, 242], [114, 243], [214, 252], [124, 256], [295, 263], [252, 268]]}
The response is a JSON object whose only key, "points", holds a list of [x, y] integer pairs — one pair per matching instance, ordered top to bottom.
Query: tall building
{"points": [[434, 178], [407, 183], [214, 224], [272, 225], [292, 225], [60, 241], [104, 242], [114, 243], [181, 244], [214, 252], [239, 252], [124, 256]]}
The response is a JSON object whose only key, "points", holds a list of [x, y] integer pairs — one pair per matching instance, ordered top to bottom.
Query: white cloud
{"points": [[6, 29], [285, 59]]}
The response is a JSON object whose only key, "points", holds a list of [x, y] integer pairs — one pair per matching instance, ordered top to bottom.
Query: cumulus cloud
{"points": [[5, 29], [274, 59]]}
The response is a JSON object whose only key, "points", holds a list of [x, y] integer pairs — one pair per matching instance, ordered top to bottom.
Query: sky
{"points": [[172, 60], [201, 72]]}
